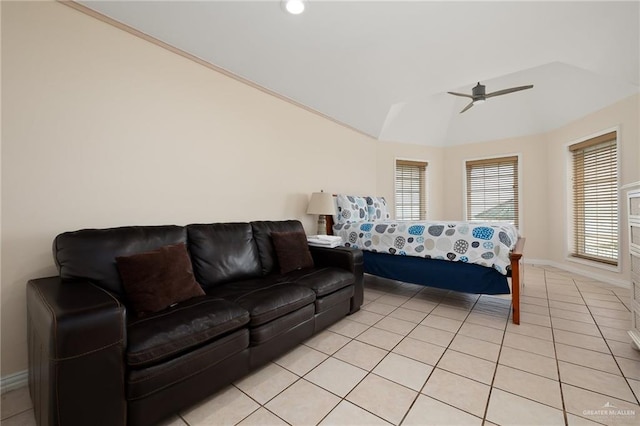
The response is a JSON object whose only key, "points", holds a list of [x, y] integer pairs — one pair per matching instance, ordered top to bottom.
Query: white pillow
{"points": [[377, 208], [350, 209]]}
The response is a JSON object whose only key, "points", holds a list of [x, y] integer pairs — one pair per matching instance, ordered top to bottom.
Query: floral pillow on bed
{"points": [[377, 208], [350, 209]]}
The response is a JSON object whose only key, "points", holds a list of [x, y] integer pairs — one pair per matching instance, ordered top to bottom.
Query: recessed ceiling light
{"points": [[294, 7]]}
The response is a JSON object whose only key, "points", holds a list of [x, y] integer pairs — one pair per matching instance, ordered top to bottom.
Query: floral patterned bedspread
{"points": [[482, 243]]}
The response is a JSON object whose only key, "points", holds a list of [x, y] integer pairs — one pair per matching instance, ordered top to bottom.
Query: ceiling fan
{"points": [[478, 94]]}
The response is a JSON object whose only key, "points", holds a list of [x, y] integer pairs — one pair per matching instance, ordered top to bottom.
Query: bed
{"points": [[471, 257]]}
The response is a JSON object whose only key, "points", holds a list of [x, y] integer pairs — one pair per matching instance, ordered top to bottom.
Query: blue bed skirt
{"points": [[458, 276]]}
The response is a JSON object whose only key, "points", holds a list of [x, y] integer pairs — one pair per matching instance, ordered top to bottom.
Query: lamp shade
{"points": [[321, 203]]}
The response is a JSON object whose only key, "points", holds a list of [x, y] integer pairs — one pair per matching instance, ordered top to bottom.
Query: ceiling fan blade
{"points": [[505, 91], [461, 94], [467, 107]]}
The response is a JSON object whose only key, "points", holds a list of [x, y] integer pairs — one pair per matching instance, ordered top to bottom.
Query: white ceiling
{"points": [[384, 67]]}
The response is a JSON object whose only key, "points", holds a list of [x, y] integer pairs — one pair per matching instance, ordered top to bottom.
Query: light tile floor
{"points": [[423, 356]]}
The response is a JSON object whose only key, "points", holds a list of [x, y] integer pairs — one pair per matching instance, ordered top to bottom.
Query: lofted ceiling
{"points": [[384, 67]]}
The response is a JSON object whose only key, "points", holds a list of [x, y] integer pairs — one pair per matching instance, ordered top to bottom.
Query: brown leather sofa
{"points": [[92, 362]]}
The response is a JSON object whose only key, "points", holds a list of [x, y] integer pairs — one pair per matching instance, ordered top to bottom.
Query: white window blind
{"points": [[411, 177], [492, 190], [595, 199]]}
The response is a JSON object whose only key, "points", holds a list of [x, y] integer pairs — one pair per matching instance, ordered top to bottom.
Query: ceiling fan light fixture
{"points": [[294, 7], [479, 101]]}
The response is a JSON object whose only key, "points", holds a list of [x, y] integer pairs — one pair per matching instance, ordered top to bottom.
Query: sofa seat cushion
{"points": [[322, 281], [265, 300], [329, 301], [178, 329], [265, 332], [233, 347]]}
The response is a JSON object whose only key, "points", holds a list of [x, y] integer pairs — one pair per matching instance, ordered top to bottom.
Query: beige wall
{"points": [[623, 116], [101, 128], [389, 152]]}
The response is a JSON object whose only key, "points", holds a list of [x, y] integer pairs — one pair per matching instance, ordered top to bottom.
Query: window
{"points": [[411, 183], [492, 190], [595, 199]]}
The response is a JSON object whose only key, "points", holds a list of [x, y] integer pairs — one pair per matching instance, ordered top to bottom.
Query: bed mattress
{"points": [[482, 243]]}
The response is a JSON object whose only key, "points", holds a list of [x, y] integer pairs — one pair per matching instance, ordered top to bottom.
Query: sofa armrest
{"points": [[346, 258], [77, 339]]}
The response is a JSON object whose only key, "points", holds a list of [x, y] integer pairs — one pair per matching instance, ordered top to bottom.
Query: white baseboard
{"points": [[578, 271], [14, 381]]}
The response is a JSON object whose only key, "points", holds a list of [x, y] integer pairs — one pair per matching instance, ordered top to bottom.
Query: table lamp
{"points": [[322, 204]]}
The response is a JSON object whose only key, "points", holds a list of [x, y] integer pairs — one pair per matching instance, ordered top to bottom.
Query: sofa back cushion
{"points": [[262, 233], [223, 252], [90, 254]]}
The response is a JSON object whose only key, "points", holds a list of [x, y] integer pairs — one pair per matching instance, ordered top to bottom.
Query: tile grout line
{"points": [[469, 311], [504, 330], [576, 332], [455, 334], [448, 347], [609, 347], [558, 360], [378, 363], [435, 365], [495, 371], [369, 372], [559, 381], [565, 415], [404, 416]]}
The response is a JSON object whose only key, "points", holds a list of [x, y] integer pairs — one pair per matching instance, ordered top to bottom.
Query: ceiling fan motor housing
{"points": [[479, 92]]}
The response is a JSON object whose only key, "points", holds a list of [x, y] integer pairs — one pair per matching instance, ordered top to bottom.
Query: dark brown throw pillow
{"points": [[292, 251], [157, 279]]}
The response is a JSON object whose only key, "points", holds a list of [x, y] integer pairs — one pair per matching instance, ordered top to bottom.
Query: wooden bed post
{"points": [[329, 225], [517, 279]]}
